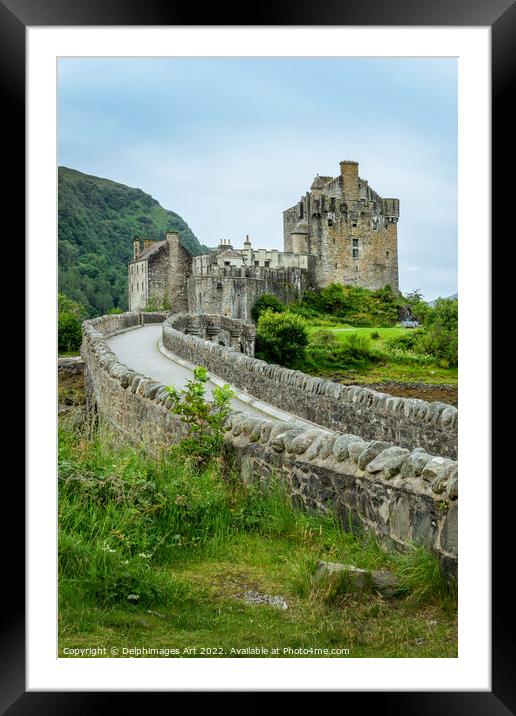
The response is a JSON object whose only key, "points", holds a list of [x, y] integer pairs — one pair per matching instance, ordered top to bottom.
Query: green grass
{"points": [[401, 366], [156, 553]]}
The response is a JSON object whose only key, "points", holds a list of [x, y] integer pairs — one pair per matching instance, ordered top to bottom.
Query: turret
{"points": [[300, 238], [136, 248]]}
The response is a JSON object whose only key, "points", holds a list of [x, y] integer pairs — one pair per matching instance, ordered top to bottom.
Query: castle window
{"points": [[332, 203], [301, 209], [354, 224], [355, 242], [355, 253], [386, 254], [227, 263], [256, 263], [267, 264], [336, 266]]}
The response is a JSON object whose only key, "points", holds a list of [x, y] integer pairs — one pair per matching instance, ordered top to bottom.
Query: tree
{"points": [[264, 302], [69, 333], [441, 336], [281, 337]]}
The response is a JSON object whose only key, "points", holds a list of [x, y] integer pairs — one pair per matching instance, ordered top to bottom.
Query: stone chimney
{"points": [[349, 174], [147, 243], [136, 248]]}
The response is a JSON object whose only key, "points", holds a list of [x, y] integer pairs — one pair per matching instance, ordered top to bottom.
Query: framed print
{"points": [[270, 247]]}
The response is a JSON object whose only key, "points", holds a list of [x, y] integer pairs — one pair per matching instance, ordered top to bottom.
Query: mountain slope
{"points": [[98, 219]]}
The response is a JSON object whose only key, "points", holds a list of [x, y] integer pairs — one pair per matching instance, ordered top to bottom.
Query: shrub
{"points": [[267, 301], [69, 333], [375, 335], [441, 335], [281, 337], [325, 338], [203, 419]]}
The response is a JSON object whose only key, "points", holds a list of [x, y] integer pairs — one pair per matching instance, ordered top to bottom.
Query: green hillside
{"points": [[98, 219]]}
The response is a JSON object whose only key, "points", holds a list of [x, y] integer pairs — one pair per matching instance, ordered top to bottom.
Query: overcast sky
{"points": [[230, 143]]}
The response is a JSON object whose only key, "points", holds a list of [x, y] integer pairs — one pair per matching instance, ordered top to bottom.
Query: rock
{"points": [[303, 441], [341, 446], [326, 447], [356, 448], [373, 449], [389, 460], [415, 463], [437, 467], [440, 483], [452, 488], [360, 580], [385, 582], [254, 597]]}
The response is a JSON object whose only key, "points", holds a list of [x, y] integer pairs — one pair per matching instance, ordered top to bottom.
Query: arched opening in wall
{"points": [[241, 348]]}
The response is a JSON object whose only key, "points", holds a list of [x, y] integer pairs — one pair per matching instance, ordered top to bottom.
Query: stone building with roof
{"points": [[340, 231]]}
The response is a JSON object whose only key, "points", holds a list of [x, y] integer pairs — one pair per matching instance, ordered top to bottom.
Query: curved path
{"points": [[141, 349]]}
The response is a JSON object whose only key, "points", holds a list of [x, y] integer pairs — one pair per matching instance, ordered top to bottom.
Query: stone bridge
{"points": [[382, 463]]}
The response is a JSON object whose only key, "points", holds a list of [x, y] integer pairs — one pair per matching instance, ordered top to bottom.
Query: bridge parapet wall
{"points": [[221, 330], [407, 422], [402, 496]]}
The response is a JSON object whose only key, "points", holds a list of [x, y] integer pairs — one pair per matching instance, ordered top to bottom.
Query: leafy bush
{"points": [[264, 302], [353, 304], [69, 333], [375, 335], [441, 335], [281, 337], [325, 338], [203, 419]]}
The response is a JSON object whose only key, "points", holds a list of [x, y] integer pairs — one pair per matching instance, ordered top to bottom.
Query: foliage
{"points": [[98, 220], [264, 302], [152, 304], [353, 304], [66, 305], [418, 307], [114, 311], [69, 318], [69, 333], [441, 335], [281, 337], [203, 419], [163, 548]]}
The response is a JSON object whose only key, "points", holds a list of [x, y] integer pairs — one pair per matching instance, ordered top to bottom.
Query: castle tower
{"points": [[349, 229]]}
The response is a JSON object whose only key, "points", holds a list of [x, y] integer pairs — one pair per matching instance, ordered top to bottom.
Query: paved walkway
{"points": [[139, 349]]}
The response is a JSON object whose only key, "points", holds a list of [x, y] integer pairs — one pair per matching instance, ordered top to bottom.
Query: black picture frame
{"points": [[500, 16]]}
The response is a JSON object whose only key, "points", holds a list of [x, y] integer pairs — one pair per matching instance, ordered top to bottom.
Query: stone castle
{"points": [[340, 231]]}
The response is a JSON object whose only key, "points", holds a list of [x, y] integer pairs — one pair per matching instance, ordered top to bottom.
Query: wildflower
{"points": [[107, 548], [144, 555], [133, 597]]}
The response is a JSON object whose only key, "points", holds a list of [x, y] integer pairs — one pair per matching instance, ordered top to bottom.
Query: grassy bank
{"points": [[378, 355], [160, 554]]}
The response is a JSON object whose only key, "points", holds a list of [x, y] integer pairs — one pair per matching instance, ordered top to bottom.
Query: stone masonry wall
{"points": [[408, 422], [403, 496]]}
